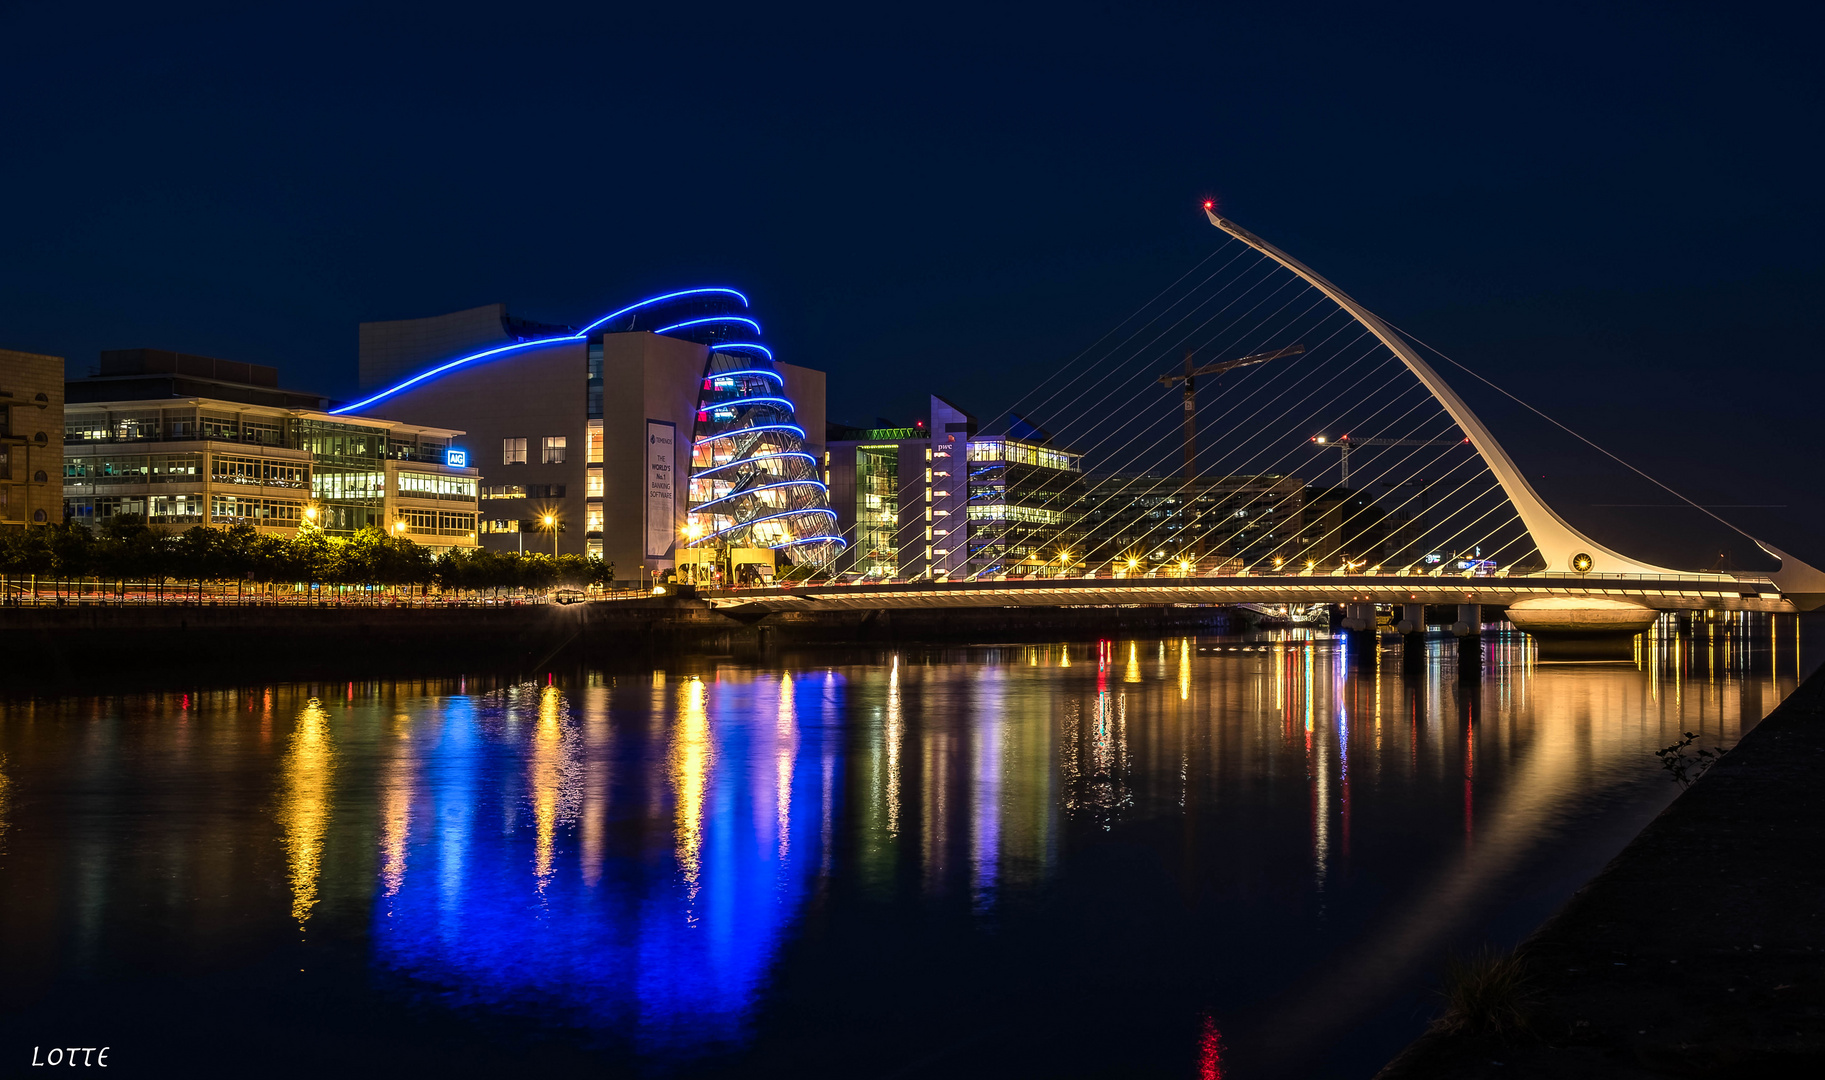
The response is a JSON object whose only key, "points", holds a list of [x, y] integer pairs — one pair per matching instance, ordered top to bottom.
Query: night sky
{"points": [[1611, 210]]}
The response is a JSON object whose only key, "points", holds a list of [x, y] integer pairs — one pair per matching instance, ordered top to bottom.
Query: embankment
{"points": [[104, 643], [1700, 949]]}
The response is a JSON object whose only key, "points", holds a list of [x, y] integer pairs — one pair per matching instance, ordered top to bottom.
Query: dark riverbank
{"points": [[57, 644], [1699, 950]]}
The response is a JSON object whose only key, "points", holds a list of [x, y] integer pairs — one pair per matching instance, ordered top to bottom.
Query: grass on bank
{"points": [[1487, 992]]}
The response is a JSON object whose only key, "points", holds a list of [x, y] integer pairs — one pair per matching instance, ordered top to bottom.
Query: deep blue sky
{"points": [[1610, 209]]}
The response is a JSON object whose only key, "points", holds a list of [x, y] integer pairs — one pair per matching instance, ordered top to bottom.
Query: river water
{"points": [[1215, 857]]}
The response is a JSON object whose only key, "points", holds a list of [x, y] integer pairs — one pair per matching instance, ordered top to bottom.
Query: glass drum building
{"points": [[753, 484]]}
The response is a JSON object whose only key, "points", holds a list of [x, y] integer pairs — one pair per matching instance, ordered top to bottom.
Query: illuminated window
{"points": [[595, 444], [554, 449], [513, 451], [594, 481], [436, 486]]}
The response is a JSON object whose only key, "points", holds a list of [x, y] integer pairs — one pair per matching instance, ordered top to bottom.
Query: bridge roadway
{"points": [[1664, 592]]}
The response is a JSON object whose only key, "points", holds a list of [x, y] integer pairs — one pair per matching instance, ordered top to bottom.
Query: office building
{"points": [[666, 425], [31, 439], [178, 440], [880, 487], [947, 501], [1138, 524]]}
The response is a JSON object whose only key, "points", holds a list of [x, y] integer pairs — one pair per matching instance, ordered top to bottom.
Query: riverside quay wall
{"points": [[90, 644]]}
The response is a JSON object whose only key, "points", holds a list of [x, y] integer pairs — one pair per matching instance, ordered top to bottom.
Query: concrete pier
{"points": [[1582, 627]]}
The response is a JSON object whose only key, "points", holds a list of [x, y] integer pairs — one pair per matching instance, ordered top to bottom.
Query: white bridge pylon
{"points": [[1558, 541]]}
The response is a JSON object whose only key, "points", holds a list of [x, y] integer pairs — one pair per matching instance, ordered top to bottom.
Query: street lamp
{"points": [[552, 524]]}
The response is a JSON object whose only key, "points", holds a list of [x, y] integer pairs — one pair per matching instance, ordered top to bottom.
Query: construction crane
{"points": [[1189, 378], [1345, 444]]}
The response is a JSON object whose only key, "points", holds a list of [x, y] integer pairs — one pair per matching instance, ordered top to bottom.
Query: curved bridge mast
{"points": [[1558, 542]]}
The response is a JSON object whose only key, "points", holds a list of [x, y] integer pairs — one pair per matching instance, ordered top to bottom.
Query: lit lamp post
{"points": [[551, 523]]}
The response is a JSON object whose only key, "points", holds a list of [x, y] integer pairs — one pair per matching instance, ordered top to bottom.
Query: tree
{"points": [[72, 551], [196, 554], [236, 555], [307, 555]]}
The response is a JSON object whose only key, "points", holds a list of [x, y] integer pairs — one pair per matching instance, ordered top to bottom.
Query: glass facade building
{"points": [[218, 460], [752, 481]]}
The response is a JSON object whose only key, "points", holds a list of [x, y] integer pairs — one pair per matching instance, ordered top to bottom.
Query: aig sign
{"points": [[456, 459]]}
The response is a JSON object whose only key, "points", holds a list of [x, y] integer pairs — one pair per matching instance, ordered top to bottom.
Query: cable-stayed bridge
{"points": [[1430, 509]]}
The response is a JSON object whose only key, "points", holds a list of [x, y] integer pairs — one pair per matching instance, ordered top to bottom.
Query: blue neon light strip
{"points": [[656, 299], [711, 319], [578, 336], [725, 346], [440, 369], [774, 375], [713, 406], [732, 432], [695, 473], [752, 490], [757, 521], [807, 540]]}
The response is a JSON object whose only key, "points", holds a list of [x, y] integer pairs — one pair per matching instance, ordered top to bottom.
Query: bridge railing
{"points": [[1760, 583]]}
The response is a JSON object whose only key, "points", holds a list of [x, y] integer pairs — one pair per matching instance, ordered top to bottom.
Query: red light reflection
{"points": [[1210, 1050]]}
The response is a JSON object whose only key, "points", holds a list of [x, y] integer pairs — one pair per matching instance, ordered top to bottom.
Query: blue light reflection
{"points": [[507, 899]]}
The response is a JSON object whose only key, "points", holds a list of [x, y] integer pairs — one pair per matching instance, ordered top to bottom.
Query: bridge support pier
{"points": [[1412, 627], [1582, 627], [1469, 631], [1362, 638]]}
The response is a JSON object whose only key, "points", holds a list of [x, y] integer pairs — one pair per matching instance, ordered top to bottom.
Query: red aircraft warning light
{"points": [[1208, 204]]}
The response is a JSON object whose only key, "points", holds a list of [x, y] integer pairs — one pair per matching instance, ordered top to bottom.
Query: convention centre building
{"points": [[650, 437]]}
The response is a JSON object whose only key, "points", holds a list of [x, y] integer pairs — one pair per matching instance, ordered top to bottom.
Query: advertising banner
{"points": [[661, 487]]}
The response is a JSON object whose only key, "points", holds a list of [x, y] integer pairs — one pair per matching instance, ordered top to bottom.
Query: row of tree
{"points": [[125, 552]]}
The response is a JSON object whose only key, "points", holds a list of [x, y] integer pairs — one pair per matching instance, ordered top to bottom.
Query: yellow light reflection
{"points": [[1185, 669], [1133, 671], [891, 734], [785, 752], [690, 768], [547, 781], [304, 804], [396, 810]]}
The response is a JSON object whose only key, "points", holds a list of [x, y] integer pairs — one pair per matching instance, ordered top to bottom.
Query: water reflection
{"points": [[397, 785], [304, 800], [1264, 840], [665, 951]]}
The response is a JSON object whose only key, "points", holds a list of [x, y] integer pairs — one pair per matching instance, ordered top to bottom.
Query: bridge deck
{"points": [[1665, 593]]}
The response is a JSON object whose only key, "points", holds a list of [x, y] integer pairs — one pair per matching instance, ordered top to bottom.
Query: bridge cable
{"points": [[1260, 385], [1696, 506]]}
